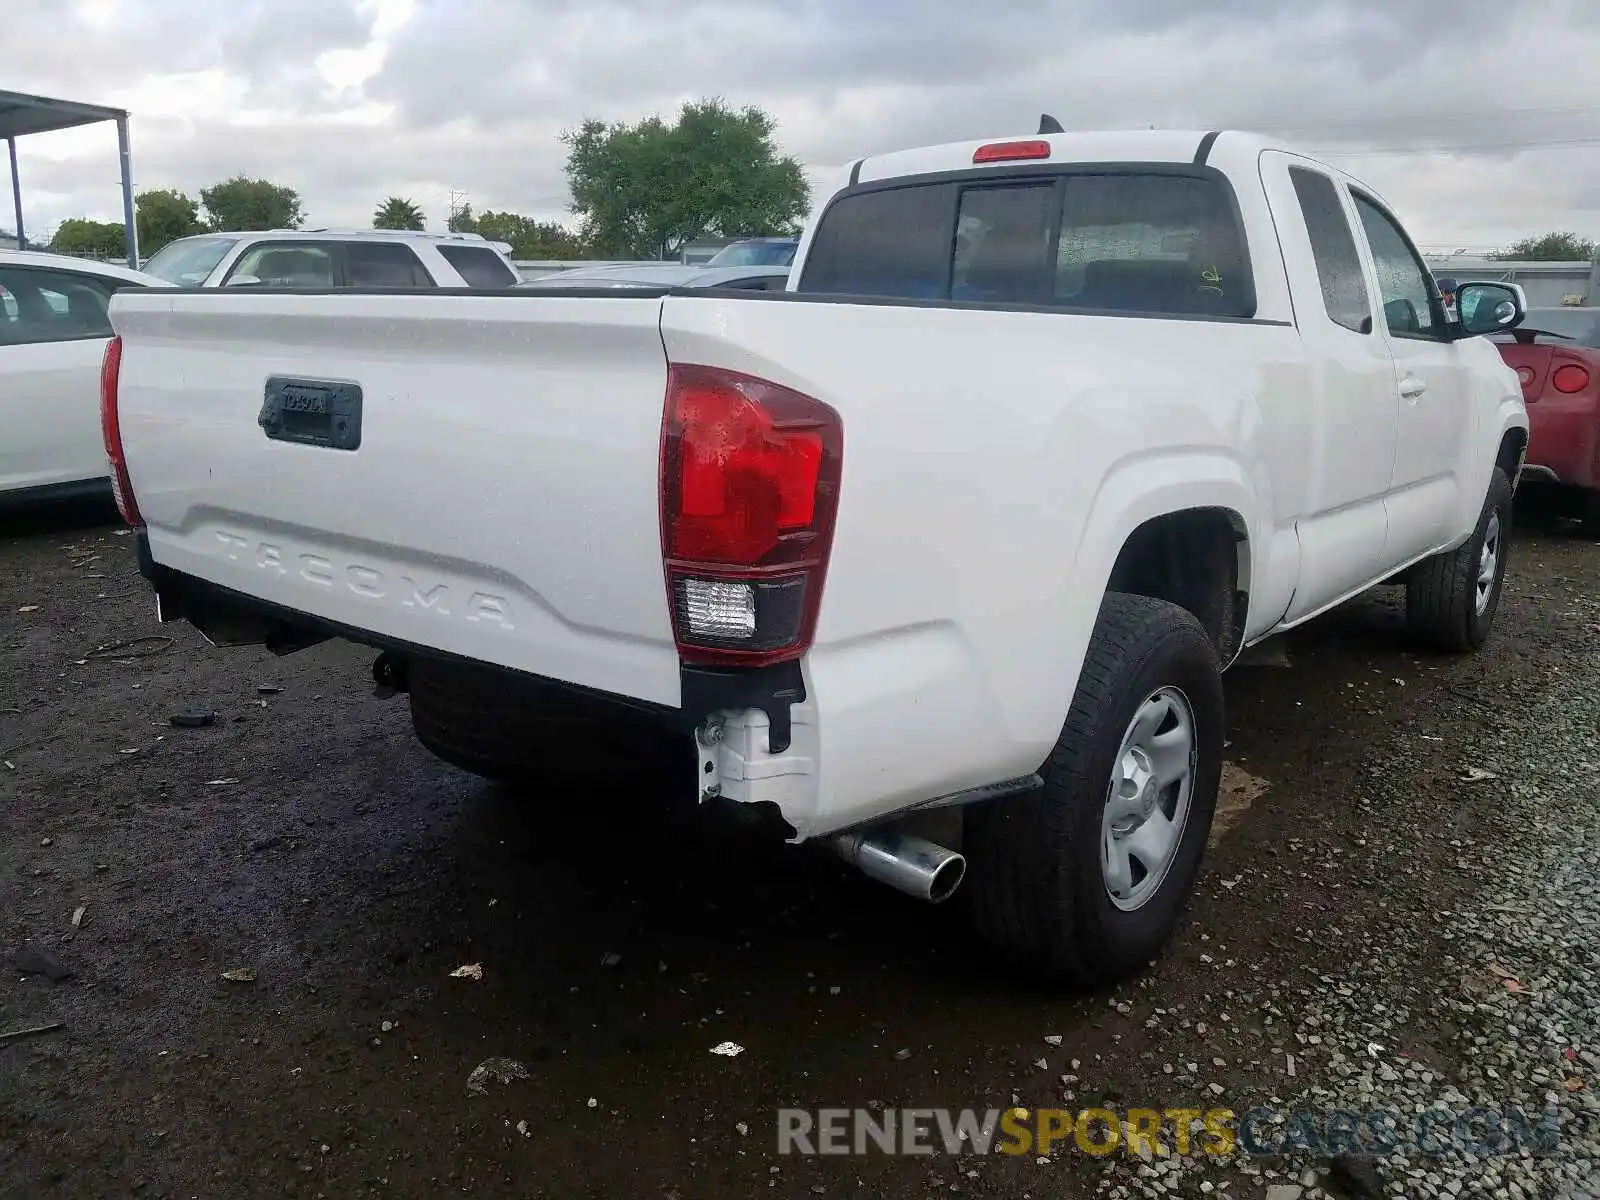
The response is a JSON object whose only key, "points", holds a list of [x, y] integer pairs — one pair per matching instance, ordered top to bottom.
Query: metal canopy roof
{"points": [[22, 114]]}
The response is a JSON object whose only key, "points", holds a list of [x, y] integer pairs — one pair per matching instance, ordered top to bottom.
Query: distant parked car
{"points": [[756, 252], [330, 258], [666, 275], [53, 333], [1556, 355]]}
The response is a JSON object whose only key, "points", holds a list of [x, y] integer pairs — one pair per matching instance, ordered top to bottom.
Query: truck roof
{"points": [[1226, 147]]}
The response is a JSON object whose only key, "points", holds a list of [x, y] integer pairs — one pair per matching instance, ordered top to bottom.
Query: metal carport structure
{"points": [[22, 114]]}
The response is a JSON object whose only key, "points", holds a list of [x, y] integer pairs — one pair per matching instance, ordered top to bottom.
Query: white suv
{"points": [[328, 258]]}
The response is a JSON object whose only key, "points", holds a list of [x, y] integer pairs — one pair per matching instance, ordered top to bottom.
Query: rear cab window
{"points": [[1145, 240], [479, 267]]}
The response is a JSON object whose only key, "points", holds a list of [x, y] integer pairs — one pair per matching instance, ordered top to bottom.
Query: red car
{"points": [[1556, 354]]}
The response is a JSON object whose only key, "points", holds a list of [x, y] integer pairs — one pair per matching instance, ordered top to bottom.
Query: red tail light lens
{"points": [[1011, 151], [1570, 379], [111, 433], [749, 488]]}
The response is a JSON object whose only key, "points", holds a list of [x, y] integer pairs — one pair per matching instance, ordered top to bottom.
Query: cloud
{"points": [[352, 100]]}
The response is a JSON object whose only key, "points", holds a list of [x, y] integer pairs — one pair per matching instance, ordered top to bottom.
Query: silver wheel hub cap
{"points": [[1488, 562], [1148, 800]]}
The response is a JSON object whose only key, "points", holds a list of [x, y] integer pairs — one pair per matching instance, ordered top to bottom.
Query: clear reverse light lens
{"points": [[719, 609]]}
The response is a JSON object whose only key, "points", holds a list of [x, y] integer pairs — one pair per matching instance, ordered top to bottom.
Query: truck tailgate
{"points": [[501, 503]]}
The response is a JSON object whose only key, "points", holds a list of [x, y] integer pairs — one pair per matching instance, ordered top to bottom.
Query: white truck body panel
{"points": [[995, 462]]}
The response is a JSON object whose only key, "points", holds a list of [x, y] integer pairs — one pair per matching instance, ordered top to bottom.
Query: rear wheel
{"points": [[1451, 598], [1083, 880]]}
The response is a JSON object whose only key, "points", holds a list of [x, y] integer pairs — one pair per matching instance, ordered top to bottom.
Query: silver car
{"points": [[665, 275]]}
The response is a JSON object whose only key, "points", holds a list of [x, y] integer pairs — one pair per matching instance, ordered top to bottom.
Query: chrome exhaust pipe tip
{"points": [[905, 862]]}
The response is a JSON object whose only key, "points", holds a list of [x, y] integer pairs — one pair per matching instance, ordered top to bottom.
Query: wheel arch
{"points": [[1179, 528]]}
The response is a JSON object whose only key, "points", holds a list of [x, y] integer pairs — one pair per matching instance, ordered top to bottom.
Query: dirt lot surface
{"points": [[305, 840]]}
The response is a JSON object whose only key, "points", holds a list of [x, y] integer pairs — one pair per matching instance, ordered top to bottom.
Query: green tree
{"points": [[648, 189], [242, 203], [397, 213], [164, 215], [462, 221], [529, 238], [98, 239], [1549, 247]]}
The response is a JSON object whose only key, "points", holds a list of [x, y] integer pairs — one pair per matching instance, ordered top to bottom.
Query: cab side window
{"points": [[1411, 307]]}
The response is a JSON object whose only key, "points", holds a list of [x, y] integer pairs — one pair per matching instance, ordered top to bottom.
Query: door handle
{"points": [[1411, 387]]}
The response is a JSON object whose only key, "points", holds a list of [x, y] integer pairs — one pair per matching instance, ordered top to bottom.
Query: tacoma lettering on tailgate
{"points": [[367, 582]]}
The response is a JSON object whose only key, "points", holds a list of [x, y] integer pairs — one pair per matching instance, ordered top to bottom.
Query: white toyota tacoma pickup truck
{"points": [[1044, 431]]}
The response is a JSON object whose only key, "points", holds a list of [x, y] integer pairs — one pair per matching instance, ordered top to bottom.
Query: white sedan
{"points": [[53, 334]]}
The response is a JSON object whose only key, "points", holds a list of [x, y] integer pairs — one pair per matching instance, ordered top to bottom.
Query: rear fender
{"points": [[1140, 489]]}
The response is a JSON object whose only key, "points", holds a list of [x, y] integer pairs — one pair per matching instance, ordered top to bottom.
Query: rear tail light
{"points": [[1011, 151], [1525, 376], [1570, 379], [111, 432], [749, 490]]}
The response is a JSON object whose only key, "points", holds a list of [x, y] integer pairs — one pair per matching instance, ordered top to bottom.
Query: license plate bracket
{"points": [[312, 412]]}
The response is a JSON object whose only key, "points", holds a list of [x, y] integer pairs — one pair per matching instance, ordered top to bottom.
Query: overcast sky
{"points": [[1479, 119]]}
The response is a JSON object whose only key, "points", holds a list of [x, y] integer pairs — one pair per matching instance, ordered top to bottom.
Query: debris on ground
{"points": [[133, 648], [269, 689], [193, 718], [1477, 775], [228, 782], [78, 914], [610, 959], [31, 960], [470, 971], [239, 975], [11, 1035], [1052, 1039], [728, 1049], [902, 1055], [499, 1070], [522, 1128]]}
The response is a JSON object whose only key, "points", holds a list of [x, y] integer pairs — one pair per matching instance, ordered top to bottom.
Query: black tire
{"points": [[1591, 515], [1442, 591], [514, 729], [1035, 882]]}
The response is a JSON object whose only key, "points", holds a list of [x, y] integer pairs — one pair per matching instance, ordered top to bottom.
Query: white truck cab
{"points": [[335, 258], [972, 516]]}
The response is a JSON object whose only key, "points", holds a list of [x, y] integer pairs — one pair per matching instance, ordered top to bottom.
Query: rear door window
{"points": [[1137, 242], [384, 265], [480, 268], [53, 306]]}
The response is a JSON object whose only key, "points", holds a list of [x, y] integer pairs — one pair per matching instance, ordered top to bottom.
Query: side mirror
{"points": [[244, 281], [1489, 308]]}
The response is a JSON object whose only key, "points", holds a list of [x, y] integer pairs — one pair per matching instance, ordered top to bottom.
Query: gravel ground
{"points": [[1398, 912], [1510, 977]]}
